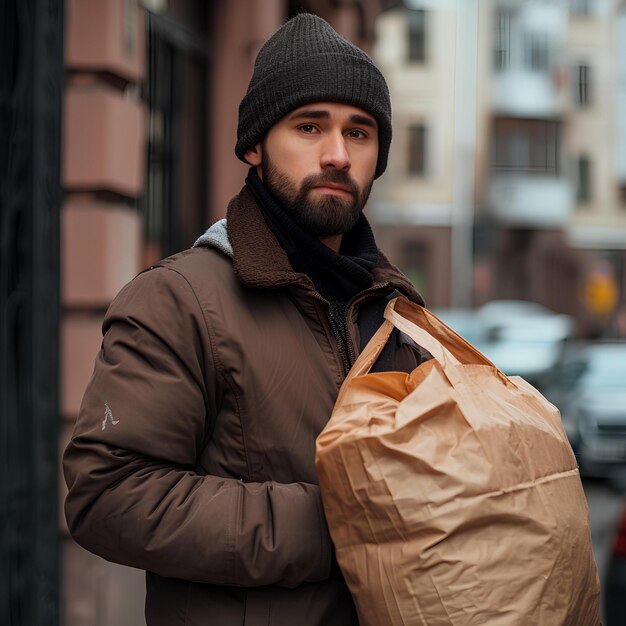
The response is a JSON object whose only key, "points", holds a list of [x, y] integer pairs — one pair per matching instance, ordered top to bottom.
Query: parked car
{"points": [[465, 322], [520, 337], [524, 338], [589, 388], [614, 587]]}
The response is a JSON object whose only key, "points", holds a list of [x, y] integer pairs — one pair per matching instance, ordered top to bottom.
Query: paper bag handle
{"points": [[393, 319], [374, 347], [440, 353]]}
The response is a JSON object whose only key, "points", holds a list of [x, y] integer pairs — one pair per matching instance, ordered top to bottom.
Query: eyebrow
{"points": [[363, 120]]}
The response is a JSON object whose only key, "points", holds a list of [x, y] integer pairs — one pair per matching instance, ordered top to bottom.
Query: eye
{"points": [[308, 129], [357, 134]]}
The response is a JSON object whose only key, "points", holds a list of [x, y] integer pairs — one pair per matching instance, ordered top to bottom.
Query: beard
{"points": [[323, 216]]}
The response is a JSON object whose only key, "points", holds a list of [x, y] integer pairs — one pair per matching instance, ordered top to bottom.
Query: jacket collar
{"points": [[259, 260]]}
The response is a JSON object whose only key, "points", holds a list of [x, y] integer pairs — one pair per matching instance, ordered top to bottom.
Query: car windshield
{"points": [[606, 367]]}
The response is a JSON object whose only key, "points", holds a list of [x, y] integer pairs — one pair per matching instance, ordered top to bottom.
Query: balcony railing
{"points": [[524, 93], [527, 200]]}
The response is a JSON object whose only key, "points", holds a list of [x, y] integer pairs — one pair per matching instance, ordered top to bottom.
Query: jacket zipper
{"points": [[342, 345], [346, 349]]}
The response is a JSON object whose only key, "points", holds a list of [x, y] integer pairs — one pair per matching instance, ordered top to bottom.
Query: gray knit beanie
{"points": [[307, 61]]}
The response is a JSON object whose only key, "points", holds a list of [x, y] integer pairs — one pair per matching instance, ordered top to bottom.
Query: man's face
{"points": [[319, 162]]}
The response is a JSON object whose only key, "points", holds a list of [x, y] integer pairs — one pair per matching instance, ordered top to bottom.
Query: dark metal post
{"points": [[31, 84]]}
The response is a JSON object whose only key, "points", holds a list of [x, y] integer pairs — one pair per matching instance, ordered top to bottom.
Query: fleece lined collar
{"points": [[216, 236]]}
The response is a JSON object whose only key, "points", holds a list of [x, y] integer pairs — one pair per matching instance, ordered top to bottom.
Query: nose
{"points": [[335, 153]]}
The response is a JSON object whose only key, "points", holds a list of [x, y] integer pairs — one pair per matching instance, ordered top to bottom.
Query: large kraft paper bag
{"points": [[452, 493]]}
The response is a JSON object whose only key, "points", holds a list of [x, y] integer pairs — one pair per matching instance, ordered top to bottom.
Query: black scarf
{"points": [[336, 276]]}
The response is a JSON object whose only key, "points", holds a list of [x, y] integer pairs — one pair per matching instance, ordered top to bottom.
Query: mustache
{"points": [[337, 177]]}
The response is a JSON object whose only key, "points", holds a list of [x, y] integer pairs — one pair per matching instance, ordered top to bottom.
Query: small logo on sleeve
{"points": [[108, 415]]}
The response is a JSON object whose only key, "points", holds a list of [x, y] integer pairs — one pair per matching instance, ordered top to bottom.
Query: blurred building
{"points": [[596, 138], [507, 168], [526, 197], [413, 203]]}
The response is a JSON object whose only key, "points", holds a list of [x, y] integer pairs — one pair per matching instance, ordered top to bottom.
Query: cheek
{"points": [[291, 159], [374, 159], [364, 166]]}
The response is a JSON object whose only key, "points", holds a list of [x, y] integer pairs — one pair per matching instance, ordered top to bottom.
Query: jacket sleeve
{"points": [[134, 497]]}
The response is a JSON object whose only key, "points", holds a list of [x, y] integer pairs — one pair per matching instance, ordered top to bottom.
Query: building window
{"points": [[580, 8], [417, 35], [502, 40], [536, 52], [582, 85], [175, 92], [525, 145], [417, 150], [583, 189]]}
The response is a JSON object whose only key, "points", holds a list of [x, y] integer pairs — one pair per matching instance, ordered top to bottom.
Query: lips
{"points": [[332, 183], [330, 188]]}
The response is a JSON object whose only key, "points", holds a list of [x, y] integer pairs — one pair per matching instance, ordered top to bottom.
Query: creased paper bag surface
{"points": [[452, 494]]}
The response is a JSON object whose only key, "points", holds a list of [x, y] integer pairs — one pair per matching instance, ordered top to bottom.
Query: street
{"points": [[605, 506]]}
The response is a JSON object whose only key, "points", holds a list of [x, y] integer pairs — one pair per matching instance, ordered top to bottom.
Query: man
{"points": [[193, 455]]}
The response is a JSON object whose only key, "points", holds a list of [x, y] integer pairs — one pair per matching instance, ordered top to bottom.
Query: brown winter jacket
{"points": [[193, 454]]}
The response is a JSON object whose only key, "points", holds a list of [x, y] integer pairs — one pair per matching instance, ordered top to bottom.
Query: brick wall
{"points": [[102, 176]]}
